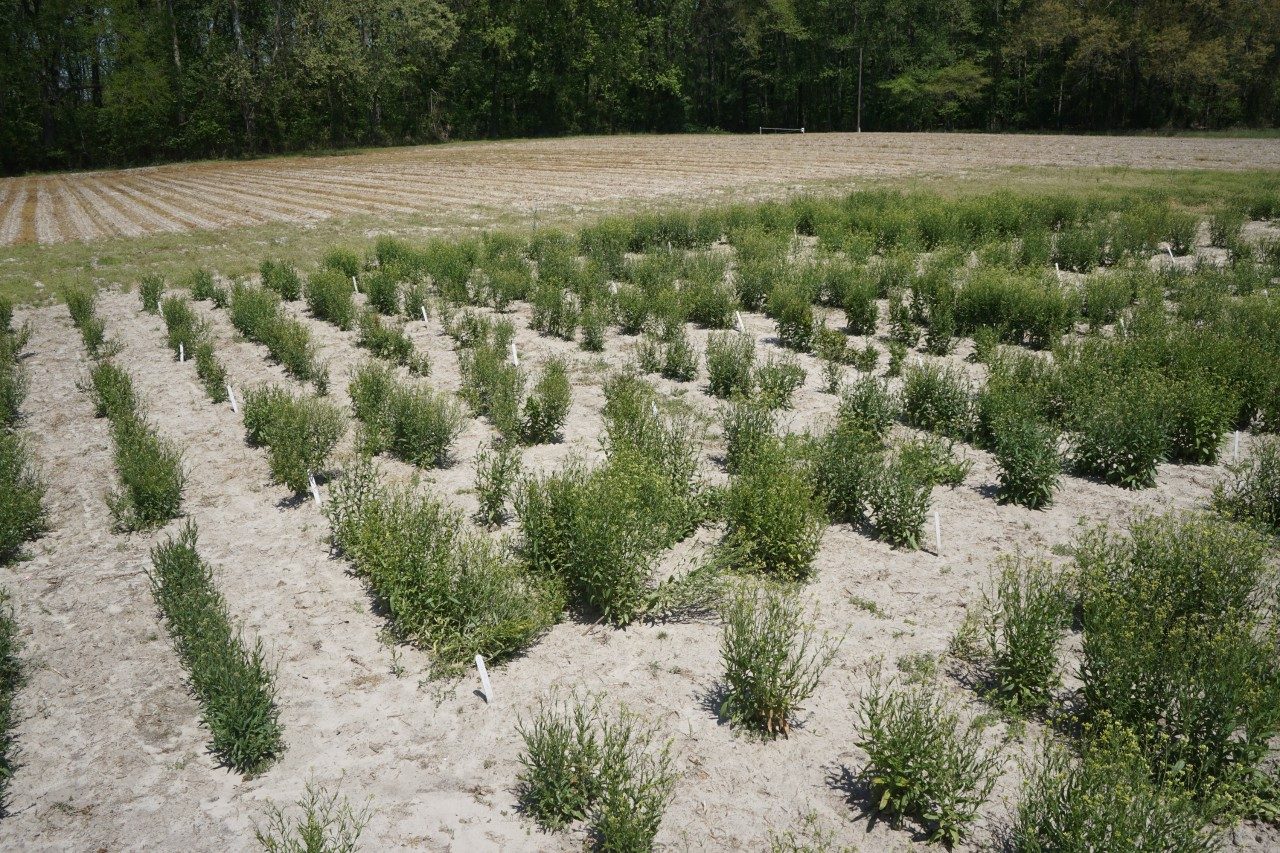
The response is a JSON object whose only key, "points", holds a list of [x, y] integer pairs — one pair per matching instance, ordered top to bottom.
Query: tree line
{"points": [[134, 81]]}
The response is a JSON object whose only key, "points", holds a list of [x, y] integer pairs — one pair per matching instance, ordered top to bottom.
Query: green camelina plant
{"points": [[281, 277], [149, 291], [330, 297], [384, 339], [730, 356], [211, 372], [778, 379], [112, 391], [938, 399], [547, 407], [748, 429], [299, 433], [1120, 436], [1026, 450], [497, 469], [151, 476], [1252, 492], [898, 499], [22, 513], [774, 516], [446, 588], [1023, 616], [1179, 648], [772, 659], [11, 678], [232, 680], [562, 754], [922, 762], [611, 771], [1104, 799], [328, 824]]}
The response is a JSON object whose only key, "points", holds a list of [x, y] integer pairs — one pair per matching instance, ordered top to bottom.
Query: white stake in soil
{"points": [[1170, 251], [355, 286], [424, 312], [738, 314], [182, 352], [515, 359], [231, 395], [1235, 451], [315, 490], [937, 532], [484, 681]]}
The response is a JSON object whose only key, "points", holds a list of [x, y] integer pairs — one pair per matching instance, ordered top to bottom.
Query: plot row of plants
{"points": [[190, 337], [493, 384], [149, 466], [22, 513], [230, 677]]}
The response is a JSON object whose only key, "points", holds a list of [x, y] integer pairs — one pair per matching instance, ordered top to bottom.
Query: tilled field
{"points": [[525, 175], [113, 755]]}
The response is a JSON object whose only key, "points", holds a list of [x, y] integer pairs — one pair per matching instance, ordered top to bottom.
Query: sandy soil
{"points": [[545, 173], [113, 756]]}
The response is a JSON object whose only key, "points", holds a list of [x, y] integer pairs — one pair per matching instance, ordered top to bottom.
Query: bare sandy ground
{"points": [[523, 175], [112, 753]]}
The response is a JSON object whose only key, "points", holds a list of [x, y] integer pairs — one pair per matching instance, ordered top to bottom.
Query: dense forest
{"points": [[133, 81]]}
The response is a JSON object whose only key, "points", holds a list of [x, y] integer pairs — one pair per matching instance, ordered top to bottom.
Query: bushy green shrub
{"points": [[1224, 226], [1181, 231], [1080, 249], [343, 261], [282, 277], [203, 287], [382, 288], [149, 291], [330, 297], [1105, 298], [709, 300], [858, 300], [81, 304], [555, 311], [792, 311], [256, 314], [595, 317], [183, 327], [384, 339], [679, 356], [730, 357], [211, 372], [778, 379], [13, 380], [112, 390], [938, 399], [868, 405], [547, 406], [1199, 413], [418, 425], [748, 429], [299, 433], [1120, 435], [1026, 449], [932, 460], [847, 461], [497, 469], [151, 476], [1252, 492], [898, 500], [22, 513], [774, 516], [598, 531], [446, 589], [1023, 615], [1178, 647], [772, 659], [232, 680], [922, 762], [611, 771], [1104, 799]]}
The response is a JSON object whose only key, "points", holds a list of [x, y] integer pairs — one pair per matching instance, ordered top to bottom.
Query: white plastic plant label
{"points": [[231, 395], [315, 490], [484, 681]]}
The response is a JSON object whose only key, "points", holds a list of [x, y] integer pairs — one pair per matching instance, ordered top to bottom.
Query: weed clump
{"points": [[281, 277], [330, 297], [730, 358], [232, 680]]}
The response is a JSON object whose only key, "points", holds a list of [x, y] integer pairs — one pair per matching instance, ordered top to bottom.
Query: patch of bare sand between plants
{"points": [[550, 172], [115, 756]]}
